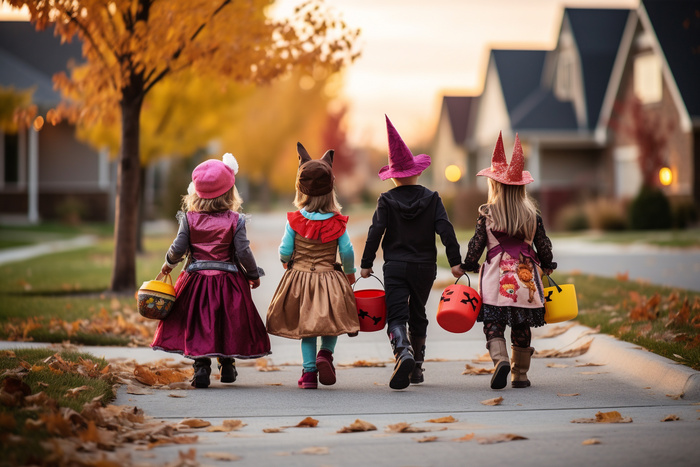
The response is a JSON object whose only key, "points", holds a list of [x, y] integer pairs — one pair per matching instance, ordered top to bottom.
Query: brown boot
{"points": [[418, 345], [499, 355], [521, 363]]}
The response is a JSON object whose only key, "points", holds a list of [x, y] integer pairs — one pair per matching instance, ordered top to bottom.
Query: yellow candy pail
{"points": [[156, 298], [560, 303]]}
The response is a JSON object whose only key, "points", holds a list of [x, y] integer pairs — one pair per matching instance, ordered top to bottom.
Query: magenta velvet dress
{"points": [[214, 314]]}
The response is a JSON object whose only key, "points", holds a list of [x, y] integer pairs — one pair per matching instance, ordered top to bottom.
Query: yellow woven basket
{"points": [[156, 298]]}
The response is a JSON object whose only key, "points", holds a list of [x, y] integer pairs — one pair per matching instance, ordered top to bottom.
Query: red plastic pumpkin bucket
{"points": [[459, 306], [371, 307]]}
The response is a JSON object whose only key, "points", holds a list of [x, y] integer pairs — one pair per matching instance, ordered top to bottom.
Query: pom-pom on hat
{"points": [[402, 164], [500, 171], [315, 177], [213, 178]]}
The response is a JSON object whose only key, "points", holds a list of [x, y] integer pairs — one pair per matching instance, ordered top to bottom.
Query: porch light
{"points": [[453, 173], [665, 176]]}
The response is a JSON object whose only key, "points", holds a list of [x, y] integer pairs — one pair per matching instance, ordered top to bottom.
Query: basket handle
{"points": [[371, 275], [164, 278], [469, 281], [551, 282]]}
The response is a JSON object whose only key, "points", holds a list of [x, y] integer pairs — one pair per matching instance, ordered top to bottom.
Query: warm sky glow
{"points": [[414, 51]]}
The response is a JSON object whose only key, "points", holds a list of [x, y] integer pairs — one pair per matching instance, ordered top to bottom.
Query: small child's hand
{"points": [[165, 269], [457, 271], [365, 272], [351, 278], [254, 283]]}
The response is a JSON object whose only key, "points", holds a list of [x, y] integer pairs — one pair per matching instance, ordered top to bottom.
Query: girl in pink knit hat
{"points": [[509, 283], [214, 314]]}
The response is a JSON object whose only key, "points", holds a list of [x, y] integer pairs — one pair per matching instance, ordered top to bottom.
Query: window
{"points": [[648, 82], [11, 157]]}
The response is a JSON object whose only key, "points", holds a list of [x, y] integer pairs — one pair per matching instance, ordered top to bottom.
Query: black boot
{"points": [[418, 346], [202, 370], [227, 370], [401, 378]]}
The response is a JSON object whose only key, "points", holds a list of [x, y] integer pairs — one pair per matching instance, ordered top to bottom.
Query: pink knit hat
{"points": [[401, 161], [500, 171], [212, 178]]}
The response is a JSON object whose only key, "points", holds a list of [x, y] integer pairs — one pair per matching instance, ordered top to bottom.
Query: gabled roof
{"points": [[676, 24], [598, 33], [29, 59], [520, 73], [460, 112]]}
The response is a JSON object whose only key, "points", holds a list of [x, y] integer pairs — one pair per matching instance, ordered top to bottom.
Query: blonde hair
{"points": [[229, 201], [323, 204], [511, 209]]}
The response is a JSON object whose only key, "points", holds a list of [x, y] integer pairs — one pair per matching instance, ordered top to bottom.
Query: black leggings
{"points": [[520, 334]]}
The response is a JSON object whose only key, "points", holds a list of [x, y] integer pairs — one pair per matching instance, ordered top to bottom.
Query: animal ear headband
{"points": [[304, 156], [315, 177]]}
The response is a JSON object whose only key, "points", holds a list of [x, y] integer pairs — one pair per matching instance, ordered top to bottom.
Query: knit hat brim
{"points": [[417, 165]]}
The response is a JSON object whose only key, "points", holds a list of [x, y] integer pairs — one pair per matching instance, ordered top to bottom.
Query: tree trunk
{"points": [[127, 204]]}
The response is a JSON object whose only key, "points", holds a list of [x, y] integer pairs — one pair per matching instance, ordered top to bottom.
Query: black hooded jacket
{"points": [[408, 217]]}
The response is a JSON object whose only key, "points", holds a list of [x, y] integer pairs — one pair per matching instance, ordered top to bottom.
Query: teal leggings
{"points": [[308, 350]]}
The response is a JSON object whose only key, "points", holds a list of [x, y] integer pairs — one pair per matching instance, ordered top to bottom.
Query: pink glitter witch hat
{"points": [[402, 163], [500, 171]]}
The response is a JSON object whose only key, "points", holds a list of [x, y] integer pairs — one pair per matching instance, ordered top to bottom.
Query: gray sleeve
{"points": [[181, 244], [243, 252]]}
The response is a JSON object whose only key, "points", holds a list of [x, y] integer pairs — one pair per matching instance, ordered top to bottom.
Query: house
{"points": [[570, 105], [45, 172]]}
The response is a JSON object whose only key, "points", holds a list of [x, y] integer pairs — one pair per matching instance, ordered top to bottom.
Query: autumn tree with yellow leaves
{"points": [[130, 46]]}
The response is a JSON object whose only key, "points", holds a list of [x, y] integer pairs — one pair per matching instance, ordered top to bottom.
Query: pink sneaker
{"points": [[324, 365], [308, 380]]}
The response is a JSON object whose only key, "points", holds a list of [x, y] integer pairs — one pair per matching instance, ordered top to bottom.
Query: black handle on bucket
{"points": [[371, 275], [468, 279], [551, 282]]}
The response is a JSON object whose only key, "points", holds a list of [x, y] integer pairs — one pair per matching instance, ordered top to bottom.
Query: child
{"points": [[408, 217], [509, 284], [314, 298], [214, 314]]}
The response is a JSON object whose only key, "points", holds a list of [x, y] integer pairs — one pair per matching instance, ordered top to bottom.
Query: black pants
{"points": [[407, 287]]}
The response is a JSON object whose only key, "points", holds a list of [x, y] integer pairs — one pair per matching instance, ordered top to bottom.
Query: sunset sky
{"points": [[414, 51]]}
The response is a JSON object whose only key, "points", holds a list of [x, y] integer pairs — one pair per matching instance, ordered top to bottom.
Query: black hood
{"points": [[410, 201]]}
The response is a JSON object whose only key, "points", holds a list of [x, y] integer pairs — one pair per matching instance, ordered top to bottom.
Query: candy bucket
{"points": [[156, 298], [560, 302], [459, 306], [371, 307]]}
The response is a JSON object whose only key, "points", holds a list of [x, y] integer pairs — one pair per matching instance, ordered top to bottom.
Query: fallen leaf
{"points": [[555, 331], [574, 352], [484, 358], [262, 364], [364, 364], [589, 364], [556, 365], [472, 370], [273, 384], [138, 390], [76, 391], [177, 395], [568, 395], [675, 397], [494, 401], [604, 417], [670, 418], [448, 419], [308, 422], [195, 423], [358, 425], [226, 426], [404, 427], [273, 430], [467, 437], [502, 438], [427, 439], [590, 442], [315, 451], [222, 456]]}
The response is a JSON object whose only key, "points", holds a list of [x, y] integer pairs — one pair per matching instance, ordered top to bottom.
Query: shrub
{"points": [[650, 210], [606, 214], [572, 218]]}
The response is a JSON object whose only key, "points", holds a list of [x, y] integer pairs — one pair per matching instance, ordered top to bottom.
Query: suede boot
{"points": [[418, 346], [499, 355], [521, 363], [324, 365], [202, 370], [227, 370], [401, 378], [308, 380]]}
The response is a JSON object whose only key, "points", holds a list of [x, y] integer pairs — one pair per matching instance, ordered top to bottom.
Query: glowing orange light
{"points": [[38, 123], [453, 173], [665, 176]]}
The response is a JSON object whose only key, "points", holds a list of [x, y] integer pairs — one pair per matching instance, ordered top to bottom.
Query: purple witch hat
{"points": [[402, 163]]}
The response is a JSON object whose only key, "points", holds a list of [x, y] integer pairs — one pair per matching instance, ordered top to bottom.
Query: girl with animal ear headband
{"points": [[509, 284], [314, 298]]}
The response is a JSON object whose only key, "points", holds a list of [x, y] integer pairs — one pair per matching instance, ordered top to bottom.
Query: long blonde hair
{"points": [[229, 201], [323, 204], [511, 209]]}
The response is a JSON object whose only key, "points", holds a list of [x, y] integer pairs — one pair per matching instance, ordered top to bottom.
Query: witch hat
{"points": [[402, 163], [500, 171]]}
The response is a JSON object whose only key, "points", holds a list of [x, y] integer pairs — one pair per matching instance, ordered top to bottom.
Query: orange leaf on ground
{"points": [[575, 352], [262, 364], [364, 364], [472, 370], [568, 395], [494, 401], [604, 417], [670, 418], [448, 419], [308, 422], [195, 423], [358, 425], [404, 427], [273, 430], [467, 437], [502, 438], [427, 439], [590, 442], [315, 451], [222, 456]]}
